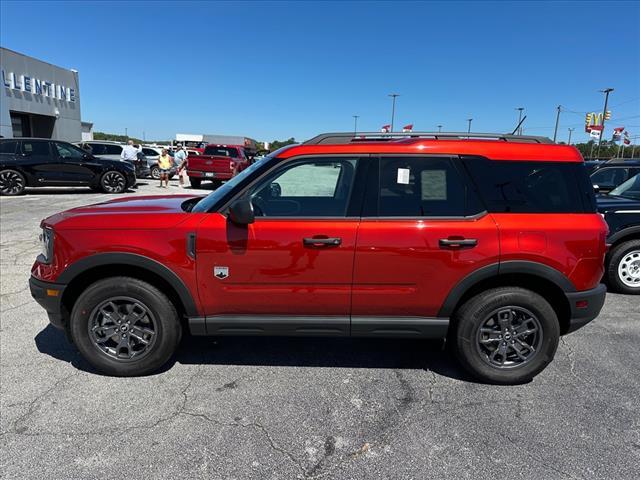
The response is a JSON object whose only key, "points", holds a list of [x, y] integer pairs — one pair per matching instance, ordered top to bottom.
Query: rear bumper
{"points": [[216, 175], [49, 296], [585, 306]]}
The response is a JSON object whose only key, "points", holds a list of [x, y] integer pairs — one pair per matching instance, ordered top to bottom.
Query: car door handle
{"points": [[321, 242], [457, 242]]}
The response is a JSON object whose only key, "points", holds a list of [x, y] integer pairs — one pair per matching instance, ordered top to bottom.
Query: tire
{"points": [[155, 173], [113, 182], [195, 182], [12, 183], [216, 184], [623, 268], [476, 349], [122, 354]]}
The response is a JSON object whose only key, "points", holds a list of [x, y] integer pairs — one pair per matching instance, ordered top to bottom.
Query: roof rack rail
{"points": [[344, 137]]}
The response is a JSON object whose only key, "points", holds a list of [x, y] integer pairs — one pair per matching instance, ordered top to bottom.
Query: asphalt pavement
{"points": [[272, 408]]}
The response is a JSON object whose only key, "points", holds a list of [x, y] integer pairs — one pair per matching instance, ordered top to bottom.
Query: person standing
{"points": [[130, 152], [181, 160], [164, 164]]}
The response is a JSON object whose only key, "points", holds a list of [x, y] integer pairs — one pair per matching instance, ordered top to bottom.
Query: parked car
{"points": [[113, 151], [152, 154], [37, 162], [217, 164], [609, 175], [621, 210], [483, 241]]}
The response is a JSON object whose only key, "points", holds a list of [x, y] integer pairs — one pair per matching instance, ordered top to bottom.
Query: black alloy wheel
{"points": [[113, 182], [11, 183]]}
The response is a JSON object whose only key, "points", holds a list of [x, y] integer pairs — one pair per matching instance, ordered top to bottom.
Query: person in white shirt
{"points": [[130, 153], [180, 159]]}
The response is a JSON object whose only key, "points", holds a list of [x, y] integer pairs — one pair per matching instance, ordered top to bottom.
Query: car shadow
{"points": [[286, 352]]}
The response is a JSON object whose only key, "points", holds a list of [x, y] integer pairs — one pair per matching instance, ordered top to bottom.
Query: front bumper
{"points": [[49, 296], [585, 306]]}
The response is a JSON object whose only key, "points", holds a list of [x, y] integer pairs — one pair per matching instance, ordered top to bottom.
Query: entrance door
{"points": [[291, 270]]}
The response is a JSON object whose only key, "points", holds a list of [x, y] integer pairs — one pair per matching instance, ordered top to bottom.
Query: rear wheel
{"points": [[155, 172], [113, 182], [195, 182], [12, 183], [623, 268], [125, 327], [506, 335]]}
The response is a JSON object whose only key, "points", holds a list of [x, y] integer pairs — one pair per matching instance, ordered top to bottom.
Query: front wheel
{"points": [[155, 173], [113, 182], [11, 183], [623, 268], [125, 327], [506, 335]]}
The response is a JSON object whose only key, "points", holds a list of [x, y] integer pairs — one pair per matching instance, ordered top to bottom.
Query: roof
{"points": [[492, 146]]}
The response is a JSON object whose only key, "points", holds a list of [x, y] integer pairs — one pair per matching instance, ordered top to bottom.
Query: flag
{"points": [[385, 128], [408, 128], [617, 134], [627, 140]]}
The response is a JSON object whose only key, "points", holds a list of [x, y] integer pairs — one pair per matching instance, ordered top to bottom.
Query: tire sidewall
{"points": [[24, 182], [616, 256], [473, 314], [167, 324]]}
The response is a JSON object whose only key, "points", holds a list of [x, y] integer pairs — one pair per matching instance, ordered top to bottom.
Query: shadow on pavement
{"points": [[286, 352]]}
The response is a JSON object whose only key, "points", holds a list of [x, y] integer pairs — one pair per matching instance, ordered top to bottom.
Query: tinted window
{"points": [[8, 147], [35, 148], [97, 149], [113, 149], [68, 151], [221, 151], [149, 152], [610, 177], [423, 187], [532, 187], [318, 188]]}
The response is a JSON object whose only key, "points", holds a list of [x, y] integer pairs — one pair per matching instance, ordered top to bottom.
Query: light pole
{"points": [[606, 92], [393, 107], [520, 110], [355, 123], [439, 128], [469, 128], [555, 131], [126, 132], [570, 132]]}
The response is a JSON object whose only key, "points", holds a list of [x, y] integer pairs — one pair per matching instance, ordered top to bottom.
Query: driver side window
{"points": [[67, 151], [309, 188]]}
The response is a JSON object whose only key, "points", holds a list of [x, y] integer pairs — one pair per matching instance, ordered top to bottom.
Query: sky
{"points": [[274, 70]]}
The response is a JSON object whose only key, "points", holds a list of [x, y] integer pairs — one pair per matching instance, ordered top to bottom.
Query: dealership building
{"points": [[39, 100]]}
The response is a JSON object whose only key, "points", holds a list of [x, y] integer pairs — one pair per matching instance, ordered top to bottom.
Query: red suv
{"points": [[492, 242]]}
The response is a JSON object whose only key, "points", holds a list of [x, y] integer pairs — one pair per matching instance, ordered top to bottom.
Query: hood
{"points": [[607, 203], [133, 213]]}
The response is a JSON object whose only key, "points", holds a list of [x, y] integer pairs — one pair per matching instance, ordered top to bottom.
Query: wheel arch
{"points": [[624, 235], [78, 276], [542, 279]]}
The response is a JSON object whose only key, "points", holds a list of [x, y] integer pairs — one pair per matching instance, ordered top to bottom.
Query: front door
{"points": [[74, 164], [423, 230], [294, 262]]}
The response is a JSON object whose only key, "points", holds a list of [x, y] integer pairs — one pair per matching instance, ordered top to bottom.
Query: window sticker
{"points": [[403, 176]]}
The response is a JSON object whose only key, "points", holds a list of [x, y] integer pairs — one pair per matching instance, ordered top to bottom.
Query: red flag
{"points": [[385, 128], [408, 128]]}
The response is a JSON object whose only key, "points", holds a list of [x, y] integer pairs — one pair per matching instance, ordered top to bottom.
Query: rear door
{"points": [[37, 158], [423, 230], [296, 260]]}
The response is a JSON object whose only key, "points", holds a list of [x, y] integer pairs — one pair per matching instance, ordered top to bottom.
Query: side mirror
{"points": [[596, 189], [241, 212]]}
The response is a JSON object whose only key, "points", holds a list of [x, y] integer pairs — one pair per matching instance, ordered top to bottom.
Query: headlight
{"points": [[46, 242]]}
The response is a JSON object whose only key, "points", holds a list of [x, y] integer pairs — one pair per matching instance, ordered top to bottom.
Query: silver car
{"points": [[152, 154]]}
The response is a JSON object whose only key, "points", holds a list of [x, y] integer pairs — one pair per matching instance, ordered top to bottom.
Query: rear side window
{"points": [[8, 147], [35, 148], [113, 149], [221, 151], [150, 153], [610, 177], [423, 187], [532, 187]]}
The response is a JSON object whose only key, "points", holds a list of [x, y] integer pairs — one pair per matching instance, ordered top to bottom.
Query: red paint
{"points": [[223, 168]]}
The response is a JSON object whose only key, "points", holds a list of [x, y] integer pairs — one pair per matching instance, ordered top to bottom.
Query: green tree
{"points": [[276, 144]]}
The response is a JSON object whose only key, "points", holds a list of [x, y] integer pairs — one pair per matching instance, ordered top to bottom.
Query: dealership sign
{"points": [[37, 86]]}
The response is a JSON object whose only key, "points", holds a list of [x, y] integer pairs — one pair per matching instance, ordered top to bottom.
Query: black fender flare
{"points": [[623, 233], [136, 260], [502, 268]]}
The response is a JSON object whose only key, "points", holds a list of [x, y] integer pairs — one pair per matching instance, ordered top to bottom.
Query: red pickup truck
{"points": [[217, 163]]}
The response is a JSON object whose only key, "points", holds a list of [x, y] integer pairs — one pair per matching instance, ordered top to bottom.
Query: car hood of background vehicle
{"points": [[611, 202], [134, 213]]}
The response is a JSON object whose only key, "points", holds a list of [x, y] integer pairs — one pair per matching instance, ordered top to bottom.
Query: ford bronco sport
{"points": [[490, 241]]}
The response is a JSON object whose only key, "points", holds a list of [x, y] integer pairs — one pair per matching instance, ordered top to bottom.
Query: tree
{"points": [[276, 144]]}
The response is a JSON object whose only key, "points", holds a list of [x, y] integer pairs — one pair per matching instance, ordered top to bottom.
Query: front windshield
{"points": [[629, 189], [207, 202]]}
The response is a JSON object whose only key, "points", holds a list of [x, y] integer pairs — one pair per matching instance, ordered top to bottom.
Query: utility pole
{"points": [[606, 92], [393, 107], [520, 110], [355, 123], [439, 128], [469, 128], [555, 131], [570, 132], [126, 133], [144, 137]]}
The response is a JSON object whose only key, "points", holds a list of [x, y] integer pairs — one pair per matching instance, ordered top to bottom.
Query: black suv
{"points": [[36, 162], [609, 175], [621, 210]]}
